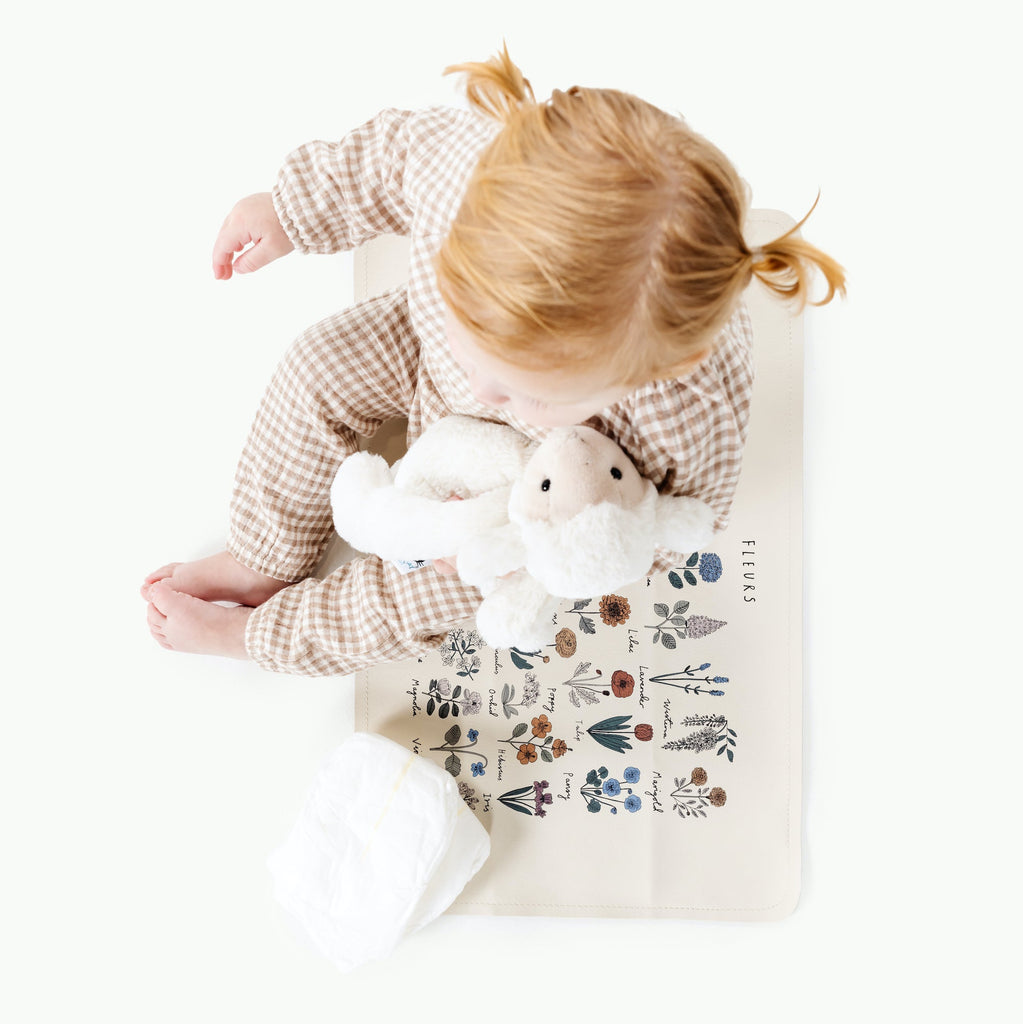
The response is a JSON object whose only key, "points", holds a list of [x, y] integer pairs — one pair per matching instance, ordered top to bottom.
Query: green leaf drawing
{"points": [[693, 559], [675, 580], [681, 607], [662, 610], [669, 641], [611, 723], [519, 730], [453, 735], [452, 765], [516, 792], [517, 807]]}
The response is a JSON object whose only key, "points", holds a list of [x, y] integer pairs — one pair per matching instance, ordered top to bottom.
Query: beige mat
{"points": [[647, 762]]}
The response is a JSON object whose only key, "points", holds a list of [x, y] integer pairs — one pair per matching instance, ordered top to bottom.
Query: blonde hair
{"points": [[599, 229]]}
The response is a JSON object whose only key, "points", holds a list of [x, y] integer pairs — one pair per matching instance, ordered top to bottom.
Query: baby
{"points": [[577, 260]]}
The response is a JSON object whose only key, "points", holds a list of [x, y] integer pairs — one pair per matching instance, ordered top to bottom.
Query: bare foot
{"points": [[220, 577], [180, 622]]}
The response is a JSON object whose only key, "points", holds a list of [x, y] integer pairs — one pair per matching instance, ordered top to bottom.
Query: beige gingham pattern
{"points": [[404, 173]]}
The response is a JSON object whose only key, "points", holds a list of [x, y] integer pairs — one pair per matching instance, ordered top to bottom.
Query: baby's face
{"points": [[543, 398]]}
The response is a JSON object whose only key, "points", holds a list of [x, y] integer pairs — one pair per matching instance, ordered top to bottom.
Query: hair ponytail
{"points": [[496, 87], [597, 229], [785, 266]]}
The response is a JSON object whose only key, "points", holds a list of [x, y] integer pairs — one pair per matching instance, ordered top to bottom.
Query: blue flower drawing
{"points": [[710, 568]]}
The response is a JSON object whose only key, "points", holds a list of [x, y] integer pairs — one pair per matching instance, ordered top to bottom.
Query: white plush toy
{"points": [[566, 519]]}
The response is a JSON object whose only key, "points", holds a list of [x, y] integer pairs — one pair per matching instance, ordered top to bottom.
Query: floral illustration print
{"points": [[709, 568], [614, 609], [673, 621], [585, 622], [564, 643], [459, 651], [520, 659], [688, 681], [622, 685], [530, 692], [579, 693], [446, 701], [709, 731], [614, 733], [548, 747], [453, 764], [602, 791], [468, 794], [692, 796], [529, 799]]}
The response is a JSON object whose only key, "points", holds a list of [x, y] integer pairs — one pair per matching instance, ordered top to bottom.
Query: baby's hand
{"points": [[254, 220], [447, 566]]}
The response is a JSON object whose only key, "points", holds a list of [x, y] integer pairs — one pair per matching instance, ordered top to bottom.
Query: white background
{"points": [[142, 791]]}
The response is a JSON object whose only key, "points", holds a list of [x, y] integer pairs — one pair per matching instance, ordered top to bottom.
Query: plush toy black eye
{"points": [[616, 473], [545, 486]]}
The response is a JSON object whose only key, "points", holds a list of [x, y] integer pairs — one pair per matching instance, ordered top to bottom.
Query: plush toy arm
{"points": [[375, 516], [683, 524], [484, 558], [517, 614]]}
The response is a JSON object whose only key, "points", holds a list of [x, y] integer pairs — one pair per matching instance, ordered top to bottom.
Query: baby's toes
{"points": [[163, 573], [167, 601], [157, 623]]}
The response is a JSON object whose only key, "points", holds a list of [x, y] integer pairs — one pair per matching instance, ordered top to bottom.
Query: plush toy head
{"points": [[575, 468], [589, 521]]}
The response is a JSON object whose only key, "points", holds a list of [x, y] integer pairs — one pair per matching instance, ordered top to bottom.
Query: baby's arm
{"points": [[333, 196], [328, 197]]}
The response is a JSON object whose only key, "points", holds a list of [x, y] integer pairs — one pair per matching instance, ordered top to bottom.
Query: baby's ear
{"points": [[683, 524]]}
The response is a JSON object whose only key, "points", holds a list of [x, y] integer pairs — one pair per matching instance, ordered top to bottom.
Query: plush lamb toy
{"points": [[568, 518]]}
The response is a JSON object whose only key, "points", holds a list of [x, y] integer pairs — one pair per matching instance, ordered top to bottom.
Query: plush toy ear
{"points": [[683, 524]]}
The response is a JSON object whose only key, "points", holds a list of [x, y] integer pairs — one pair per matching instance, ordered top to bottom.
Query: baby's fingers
{"points": [[253, 222], [228, 242], [252, 259]]}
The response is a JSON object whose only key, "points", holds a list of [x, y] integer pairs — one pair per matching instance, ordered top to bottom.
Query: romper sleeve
{"points": [[398, 167], [332, 196], [364, 613]]}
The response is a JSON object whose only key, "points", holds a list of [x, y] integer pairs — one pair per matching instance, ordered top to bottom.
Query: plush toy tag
{"points": [[404, 566]]}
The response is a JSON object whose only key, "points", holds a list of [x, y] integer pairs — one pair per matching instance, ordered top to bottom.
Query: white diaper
{"points": [[382, 846]]}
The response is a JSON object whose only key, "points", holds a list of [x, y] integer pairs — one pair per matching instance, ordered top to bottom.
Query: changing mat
{"points": [[646, 761]]}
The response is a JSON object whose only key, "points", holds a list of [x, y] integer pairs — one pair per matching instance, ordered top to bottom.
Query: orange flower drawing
{"points": [[614, 609], [565, 643], [622, 684], [541, 726], [559, 748], [527, 753], [699, 777]]}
